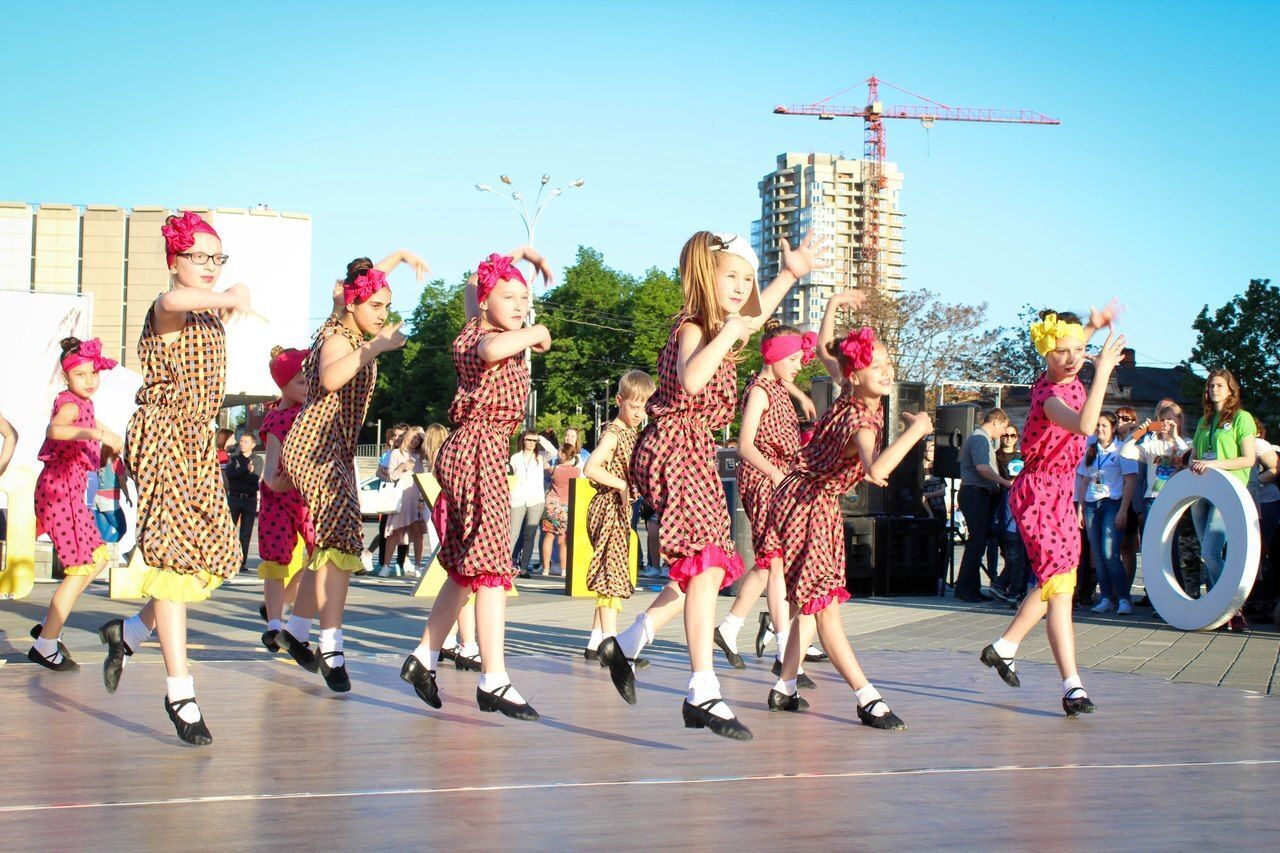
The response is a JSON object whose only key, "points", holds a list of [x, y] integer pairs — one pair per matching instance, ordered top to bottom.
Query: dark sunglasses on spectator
{"points": [[1125, 419], [1010, 435]]}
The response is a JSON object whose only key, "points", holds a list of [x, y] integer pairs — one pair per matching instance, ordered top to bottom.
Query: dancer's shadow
{"points": [[57, 702], [553, 723]]}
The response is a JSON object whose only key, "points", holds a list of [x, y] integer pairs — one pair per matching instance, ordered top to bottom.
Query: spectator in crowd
{"points": [[1126, 424], [1225, 439], [224, 442], [580, 453], [243, 473], [1105, 483], [980, 484], [934, 494], [1266, 495], [527, 500], [555, 516], [409, 522], [374, 550], [1012, 582]]}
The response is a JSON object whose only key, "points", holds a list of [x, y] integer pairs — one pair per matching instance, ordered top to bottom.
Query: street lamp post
{"points": [[517, 203]]}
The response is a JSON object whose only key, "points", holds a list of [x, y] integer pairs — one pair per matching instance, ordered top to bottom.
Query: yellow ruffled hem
{"points": [[100, 556], [349, 563], [270, 570], [1063, 584], [168, 585], [612, 602]]}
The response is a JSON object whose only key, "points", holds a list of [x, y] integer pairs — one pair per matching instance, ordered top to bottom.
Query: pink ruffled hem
{"points": [[710, 557], [763, 560], [478, 581], [837, 596]]}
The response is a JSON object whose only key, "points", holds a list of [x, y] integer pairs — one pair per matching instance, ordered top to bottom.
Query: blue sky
{"points": [[377, 118]]}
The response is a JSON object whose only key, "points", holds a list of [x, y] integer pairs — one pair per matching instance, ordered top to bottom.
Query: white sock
{"points": [[273, 624], [299, 628], [729, 630], [135, 633], [596, 638], [635, 638], [331, 641], [451, 641], [782, 643], [48, 649], [468, 650], [813, 650], [1006, 650], [427, 656], [494, 681], [1072, 683], [703, 687], [183, 688], [786, 688], [868, 694]]}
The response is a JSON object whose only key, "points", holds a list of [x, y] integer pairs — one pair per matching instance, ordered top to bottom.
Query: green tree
{"points": [[1242, 336]]}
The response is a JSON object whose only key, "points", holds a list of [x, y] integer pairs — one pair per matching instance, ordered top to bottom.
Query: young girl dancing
{"points": [[488, 408], [768, 440], [70, 451], [319, 453], [674, 466], [1041, 499], [609, 513], [805, 515], [283, 520], [184, 528]]}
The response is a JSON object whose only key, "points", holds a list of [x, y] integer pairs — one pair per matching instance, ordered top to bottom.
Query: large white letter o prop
{"points": [[1244, 544]]}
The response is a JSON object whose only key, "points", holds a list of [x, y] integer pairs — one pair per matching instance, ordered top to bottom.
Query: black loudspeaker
{"points": [[822, 391], [952, 425], [906, 483], [860, 556], [908, 559]]}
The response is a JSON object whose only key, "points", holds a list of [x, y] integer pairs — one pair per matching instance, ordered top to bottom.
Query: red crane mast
{"points": [[874, 114]]}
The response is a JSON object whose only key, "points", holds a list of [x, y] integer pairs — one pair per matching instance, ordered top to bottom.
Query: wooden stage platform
{"points": [[1162, 765]]}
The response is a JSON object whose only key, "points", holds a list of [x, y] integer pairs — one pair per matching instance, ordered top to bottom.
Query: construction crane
{"points": [[874, 181]]}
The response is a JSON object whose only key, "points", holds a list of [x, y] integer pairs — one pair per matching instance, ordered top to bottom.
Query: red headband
{"points": [[180, 233], [498, 268], [366, 284], [859, 347], [777, 348], [89, 352], [286, 365]]}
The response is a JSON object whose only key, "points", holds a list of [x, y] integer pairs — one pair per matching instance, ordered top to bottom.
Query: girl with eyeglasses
{"points": [[1105, 481], [184, 529]]}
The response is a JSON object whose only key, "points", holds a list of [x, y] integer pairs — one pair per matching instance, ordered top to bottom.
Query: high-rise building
{"points": [[825, 194], [116, 256]]}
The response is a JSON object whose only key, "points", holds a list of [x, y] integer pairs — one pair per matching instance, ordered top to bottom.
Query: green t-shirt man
{"points": [[1223, 441]]}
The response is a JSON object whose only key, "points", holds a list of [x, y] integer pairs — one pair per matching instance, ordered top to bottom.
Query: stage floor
{"points": [[1162, 764]]}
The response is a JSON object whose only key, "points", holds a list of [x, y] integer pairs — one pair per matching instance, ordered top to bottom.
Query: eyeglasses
{"points": [[200, 258], [1125, 419], [1010, 435]]}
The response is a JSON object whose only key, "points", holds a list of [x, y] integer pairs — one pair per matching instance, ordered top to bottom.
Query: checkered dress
{"points": [[778, 440], [320, 450], [472, 464], [674, 467], [805, 512], [609, 523], [184, 524]]}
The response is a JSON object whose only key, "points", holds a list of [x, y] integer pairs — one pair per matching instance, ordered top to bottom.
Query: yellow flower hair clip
{"points": [[1046, 333]]}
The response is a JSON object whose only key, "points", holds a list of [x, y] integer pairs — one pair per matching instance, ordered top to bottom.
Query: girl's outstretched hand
{"points": [[533, 256], [805, 258], [420, 268], [851, 299], [1107, 316], [389, 337], [543, 343], [1111, 354], [919, 422]]}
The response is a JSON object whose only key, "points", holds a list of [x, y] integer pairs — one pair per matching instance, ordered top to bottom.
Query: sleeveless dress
{"points": [[778, 440], [320, 453], [674, 467], [475, 498], [1041, 499], [62, 510], [804, 516], [283, 519], [184, 524], [609, 526]]}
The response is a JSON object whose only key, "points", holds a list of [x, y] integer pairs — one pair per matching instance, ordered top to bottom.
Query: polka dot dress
{"points": [[778, 439], [320, 451], [472, 464], [674, 467], [1042, 495], [61, 508], [282, 516], [804, 516], [609, 523], [184, 524]]}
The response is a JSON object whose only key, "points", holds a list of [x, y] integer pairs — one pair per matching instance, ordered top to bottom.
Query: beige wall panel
{"points": [[16, 224]]}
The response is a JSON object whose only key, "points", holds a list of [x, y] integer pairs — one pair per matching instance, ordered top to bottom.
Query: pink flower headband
{"points": [[180, 233], [497, 268], [366, 284], [777, 348], [859, 348], [89, 352]]}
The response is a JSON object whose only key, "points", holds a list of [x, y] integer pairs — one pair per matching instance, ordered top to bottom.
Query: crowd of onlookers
{"points": [[1125, 465]]}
